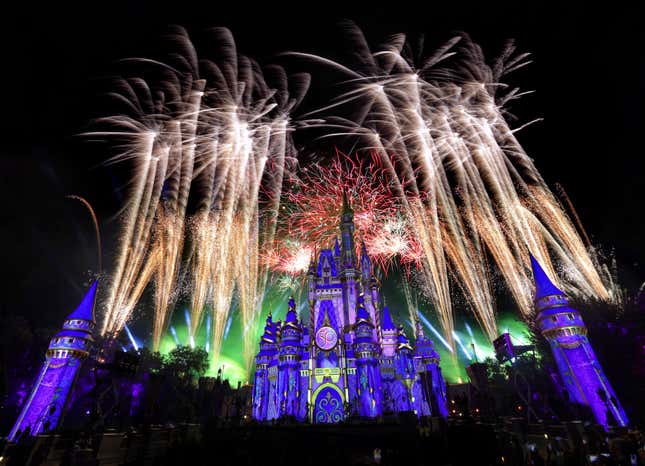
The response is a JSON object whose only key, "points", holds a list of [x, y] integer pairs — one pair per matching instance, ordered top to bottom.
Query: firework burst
{"points": [[312, 207]]}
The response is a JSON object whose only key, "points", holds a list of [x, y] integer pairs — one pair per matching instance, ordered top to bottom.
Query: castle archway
{"points": [[328, 405]]}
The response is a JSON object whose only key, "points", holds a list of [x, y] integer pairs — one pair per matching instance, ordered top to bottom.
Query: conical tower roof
{"points": [[543, 284], [85, 310], [361, 313], [292, 316], [291, 320], [387, 320], [269, 331]]}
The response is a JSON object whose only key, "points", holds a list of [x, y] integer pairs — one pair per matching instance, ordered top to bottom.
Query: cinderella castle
{"points": [[350, 358]]}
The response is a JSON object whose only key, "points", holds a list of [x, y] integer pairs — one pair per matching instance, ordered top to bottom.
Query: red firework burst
{"points": [[311, 209]]}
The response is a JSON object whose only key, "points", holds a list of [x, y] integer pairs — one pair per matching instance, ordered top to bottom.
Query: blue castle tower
{"points": [[564, 329], [366, 352], [343, 360], [430, 386], [45, 407]]}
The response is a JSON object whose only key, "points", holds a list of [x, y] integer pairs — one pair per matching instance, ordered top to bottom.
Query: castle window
{"points": [[570, 315], [554, 318]]}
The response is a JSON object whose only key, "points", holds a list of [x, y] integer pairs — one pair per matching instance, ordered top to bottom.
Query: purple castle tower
{"points": [[564, 329], [289, 363], [368, 375], [261, 384], [429, 389], [44, 409]]}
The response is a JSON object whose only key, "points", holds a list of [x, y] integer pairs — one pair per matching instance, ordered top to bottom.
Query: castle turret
{"points": [[348, 247], [337, 254], [366, 265], [350, 274], [311, 277], [376, 306], [389, 334], [366, 351], [404, 354], [289, 356], [405, 372], [581, 373], [261, 384], [432, 387], [46, 405]]}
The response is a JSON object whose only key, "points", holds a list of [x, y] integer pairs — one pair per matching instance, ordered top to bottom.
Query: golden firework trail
{"points": [[217, 134], [211, 140], [467, 188]]}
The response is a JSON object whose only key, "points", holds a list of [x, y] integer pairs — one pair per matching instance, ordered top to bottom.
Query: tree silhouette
{"points": [[186, 363]]}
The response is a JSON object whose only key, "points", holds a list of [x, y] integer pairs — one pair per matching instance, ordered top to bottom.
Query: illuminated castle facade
{"points": [[349, 358], [581, 373], [49, 398]]}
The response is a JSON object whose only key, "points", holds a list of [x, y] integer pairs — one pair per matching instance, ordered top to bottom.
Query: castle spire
{"points": [[347, 209], [336, 247], [366, 264], [348, 272], [543, 285], [85, 310], [361, 313], [292, 316], [387, 320], [419, 330], [269, 331], [580, 371], [47, 403]]}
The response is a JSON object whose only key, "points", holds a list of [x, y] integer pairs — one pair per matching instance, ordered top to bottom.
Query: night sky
{"points": [[587, 73]]}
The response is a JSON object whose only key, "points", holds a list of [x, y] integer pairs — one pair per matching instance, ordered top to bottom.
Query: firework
{"points": [[217, 133], [466, 188], [447, 189], [312, 207]]}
